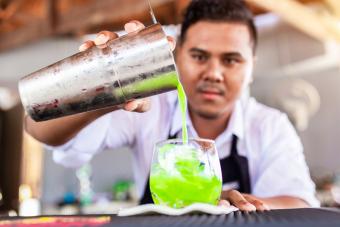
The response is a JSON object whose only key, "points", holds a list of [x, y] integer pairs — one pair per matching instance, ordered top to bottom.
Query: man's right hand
{"points": [[103, 37]]}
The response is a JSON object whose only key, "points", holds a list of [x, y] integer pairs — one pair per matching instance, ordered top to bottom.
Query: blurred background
{"points": [[298, 72]]}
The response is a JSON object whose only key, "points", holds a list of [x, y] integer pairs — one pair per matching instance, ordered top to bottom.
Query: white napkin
{"points": [[160, 209]]}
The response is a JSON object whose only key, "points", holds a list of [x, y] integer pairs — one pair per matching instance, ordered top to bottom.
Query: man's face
{"points": [[213, 62]]}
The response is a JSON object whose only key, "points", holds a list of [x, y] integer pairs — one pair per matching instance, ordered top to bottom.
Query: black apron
{"points": [[234, 169]]}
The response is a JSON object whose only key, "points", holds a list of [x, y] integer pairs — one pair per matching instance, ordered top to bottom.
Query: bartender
{"points": [[261, 156]]}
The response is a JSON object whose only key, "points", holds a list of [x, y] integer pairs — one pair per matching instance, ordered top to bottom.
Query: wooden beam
{"points": [[180, 6], [335, 7], [51, 8], [10, 10], [102, 11], [79, 18], [302, 18], [29, 23], [332, 24], [36, 29]]}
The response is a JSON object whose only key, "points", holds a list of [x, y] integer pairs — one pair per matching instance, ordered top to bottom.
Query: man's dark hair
{"points": [[234, 11]]}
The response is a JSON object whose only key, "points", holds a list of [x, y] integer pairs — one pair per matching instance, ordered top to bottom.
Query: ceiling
{"points": [[24, 21]]}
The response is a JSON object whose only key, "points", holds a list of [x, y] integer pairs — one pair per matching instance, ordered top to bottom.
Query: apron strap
{"points": [[241, 163], [147, 198]]}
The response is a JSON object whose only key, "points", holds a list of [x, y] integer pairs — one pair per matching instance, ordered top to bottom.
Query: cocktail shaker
{"points": [[136, 65]]}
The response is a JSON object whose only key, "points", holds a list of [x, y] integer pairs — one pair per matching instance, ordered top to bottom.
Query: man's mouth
{"points": [[210, 91], [210, 94]]}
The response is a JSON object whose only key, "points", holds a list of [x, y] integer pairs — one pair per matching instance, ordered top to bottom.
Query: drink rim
{"points": [[181, 140]]}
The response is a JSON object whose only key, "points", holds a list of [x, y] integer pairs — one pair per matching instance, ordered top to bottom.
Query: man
{"points": [[261, 155]]}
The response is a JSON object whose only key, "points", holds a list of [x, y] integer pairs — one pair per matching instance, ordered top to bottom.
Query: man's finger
{"points": [[133, 26], [103, 37], [172, 42], [88, 44], [140, 105], [144, 105], [130, 106], [238, 200], [223, 202], [261, 206]]}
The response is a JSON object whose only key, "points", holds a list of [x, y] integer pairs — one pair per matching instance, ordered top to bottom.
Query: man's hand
{"points": [[101, 41], [244, 202]]}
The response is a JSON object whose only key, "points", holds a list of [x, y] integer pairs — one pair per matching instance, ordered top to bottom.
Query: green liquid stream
{"points": [[183, 107]]}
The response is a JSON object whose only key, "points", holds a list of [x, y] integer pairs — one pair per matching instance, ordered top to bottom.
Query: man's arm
{"points": [[58, 131], [285, 202]]}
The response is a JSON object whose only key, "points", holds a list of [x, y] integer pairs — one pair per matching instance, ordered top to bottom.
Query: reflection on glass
{"points": [[1, 198]]}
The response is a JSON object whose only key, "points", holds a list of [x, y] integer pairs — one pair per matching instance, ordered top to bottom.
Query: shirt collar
{"points": [[236, 122], [235, 126]]}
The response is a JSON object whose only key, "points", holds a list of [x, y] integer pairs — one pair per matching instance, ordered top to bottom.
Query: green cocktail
{"points": [[185, 173]]}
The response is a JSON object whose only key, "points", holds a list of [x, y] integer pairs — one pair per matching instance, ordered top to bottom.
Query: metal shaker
{"points": [[136, 65]]}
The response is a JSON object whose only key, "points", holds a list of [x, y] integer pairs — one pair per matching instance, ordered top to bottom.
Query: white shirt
{"points": [[265, 136]]}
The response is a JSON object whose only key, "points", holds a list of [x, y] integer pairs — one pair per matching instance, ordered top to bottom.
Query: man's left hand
{"points": [[244, 202]]}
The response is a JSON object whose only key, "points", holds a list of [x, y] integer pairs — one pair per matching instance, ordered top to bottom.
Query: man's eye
{"points": [[199, 57], [230, 61]]}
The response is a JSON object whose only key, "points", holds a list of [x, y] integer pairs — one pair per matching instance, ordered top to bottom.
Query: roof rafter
{"points": [[320, 26]]}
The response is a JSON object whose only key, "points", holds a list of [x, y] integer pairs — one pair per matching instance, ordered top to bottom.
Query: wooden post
{"points": [[10, 156], [32, 164]]}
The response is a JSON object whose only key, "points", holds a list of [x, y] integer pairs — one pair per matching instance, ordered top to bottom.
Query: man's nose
{"points": [[214, 72]]}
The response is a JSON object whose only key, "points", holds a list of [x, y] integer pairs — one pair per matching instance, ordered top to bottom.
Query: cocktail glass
{"points": [[183, 173]]}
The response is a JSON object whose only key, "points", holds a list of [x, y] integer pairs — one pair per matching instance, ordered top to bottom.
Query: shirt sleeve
{"points": [[109, 131], [283, 170]]}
